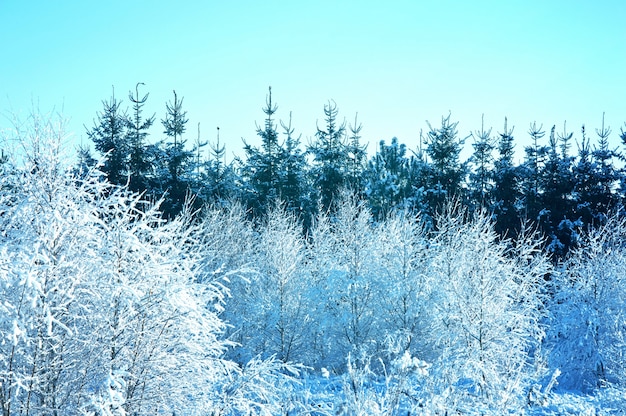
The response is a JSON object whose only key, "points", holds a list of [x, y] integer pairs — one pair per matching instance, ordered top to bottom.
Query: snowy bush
{"points": [[106, 308], [488, 309], [588, 326]]}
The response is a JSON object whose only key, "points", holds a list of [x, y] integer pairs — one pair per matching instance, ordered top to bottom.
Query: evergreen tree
{"points": [[175, 125], [137, 131], [622, 137], [110, 140], [443, 147], [357, 156], [174, 158], [330, 158], [85, 161], [262, 167], [531, 173], [607, 174], [218, 178], [595, 178], [388, 179], [481, 181], [585, 185], [294, 187], [506, 192], [555, 199]]}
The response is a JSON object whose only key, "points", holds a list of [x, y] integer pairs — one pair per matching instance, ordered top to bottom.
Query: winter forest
{"points": [[147, 275]]}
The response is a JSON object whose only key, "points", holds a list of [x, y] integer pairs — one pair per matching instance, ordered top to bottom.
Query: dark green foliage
{"points": [[137, 132], [110, 140], [357, 158], [174, 162], [330, 163], [261, 170], [275, 171], [447, 172], [531, 174], [388, 178], [481, 178], [218, 183], [294, 187], [506, 192], [559, 192], [604, 198], [556, 216]]}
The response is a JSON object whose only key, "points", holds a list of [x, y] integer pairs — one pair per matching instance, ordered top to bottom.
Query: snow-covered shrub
{"points": [[344, 267], [406, 287], [102, 308], [269, 308], [488, 309], [588, 324]]}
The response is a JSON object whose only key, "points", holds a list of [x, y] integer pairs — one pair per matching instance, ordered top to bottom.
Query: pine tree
{"points": [[175, 125], [137, 132], [110, 140], [443, 147], [357, 156], [174, 158], [330, 158], [262, 166], [531, 173], [607, 174], [218, 178], [388, 179], [481, 181], [584, 181], [294, 187], [506, 192], [555, 199]]}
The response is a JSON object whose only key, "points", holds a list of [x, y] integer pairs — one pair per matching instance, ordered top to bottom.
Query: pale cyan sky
{"points": [[396, 63]]}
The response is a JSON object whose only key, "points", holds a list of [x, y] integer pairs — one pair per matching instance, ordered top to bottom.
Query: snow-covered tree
{"points": [[389, 181], [346, 275], [407, 288], [106, 309], [277, 319], [588, 323], [487, 326]]}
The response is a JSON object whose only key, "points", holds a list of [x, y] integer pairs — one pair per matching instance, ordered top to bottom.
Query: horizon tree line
{"points": [[560, 189]]}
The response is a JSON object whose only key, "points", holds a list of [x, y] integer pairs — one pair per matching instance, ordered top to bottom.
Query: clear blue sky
{"points": [[396, 63]]}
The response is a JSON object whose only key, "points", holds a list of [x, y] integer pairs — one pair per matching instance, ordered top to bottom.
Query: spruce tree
{"points": [[175, 125], [137, 132], [110, 140], [443, 147], [357, 157], [175, 158], [330, 158], [262, 166], [531, 173], [607, 175], [218, 179], [481, 180], [584, 181], [294, 187], [506, 191], [555, 199]]}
